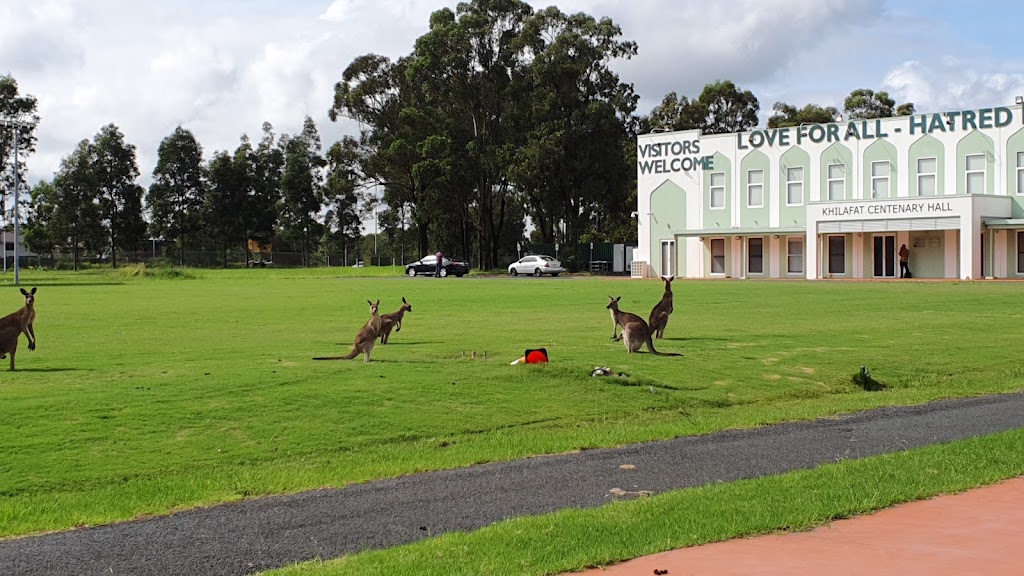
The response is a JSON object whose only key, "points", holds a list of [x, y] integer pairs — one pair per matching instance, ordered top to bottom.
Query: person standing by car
{"points": [[437, 266]]}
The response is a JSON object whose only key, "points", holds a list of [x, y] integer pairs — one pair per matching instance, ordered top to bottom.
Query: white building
{"points": [[837, 200]]}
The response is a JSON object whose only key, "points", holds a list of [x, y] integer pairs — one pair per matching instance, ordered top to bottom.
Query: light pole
{"points": [[11, 123]]}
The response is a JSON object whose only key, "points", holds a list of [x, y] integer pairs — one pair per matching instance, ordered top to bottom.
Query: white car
{"points": [[536, 264]]}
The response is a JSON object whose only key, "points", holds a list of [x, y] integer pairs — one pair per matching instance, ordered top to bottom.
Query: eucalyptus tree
{"points": [[471, 66], [868, 104], [14, 106], [720, 108], [726, 108], [675, 112], [788, 115], [397, 150], [572, 163], [229, 184], [302, 184], [341, 195], [119, 196], [176, 196], [263, 205], [73, 208], [38, 235]]}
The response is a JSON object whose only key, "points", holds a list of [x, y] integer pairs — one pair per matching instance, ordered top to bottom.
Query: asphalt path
{"points": [[263, 533]]}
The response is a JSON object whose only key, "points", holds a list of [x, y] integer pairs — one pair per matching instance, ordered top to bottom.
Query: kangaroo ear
{"points": [[33, 290], [24, 292], [619, 298], [403, 300], [378, 302], [370, 303]]}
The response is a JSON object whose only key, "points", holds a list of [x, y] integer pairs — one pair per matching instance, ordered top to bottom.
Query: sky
{"points": [[220, 68]]}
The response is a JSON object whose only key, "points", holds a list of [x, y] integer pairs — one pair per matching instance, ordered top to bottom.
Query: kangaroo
{"points": [[659, 315], [393, 320], [16, 323], [635, 332], [365, 339]]}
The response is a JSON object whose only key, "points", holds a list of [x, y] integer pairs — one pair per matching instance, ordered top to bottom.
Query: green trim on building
{"points": [[975, 143], [1014, 145], [927, 147], [882, 152], [836, 154], [754, 163], [668, 213], [796, 214], [718, 217]]}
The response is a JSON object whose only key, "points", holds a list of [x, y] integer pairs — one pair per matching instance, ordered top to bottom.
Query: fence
{"points": [[596, 258], [206, 259]]}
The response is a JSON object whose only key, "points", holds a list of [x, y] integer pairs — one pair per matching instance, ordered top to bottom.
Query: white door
{"points": [[668, 257]]}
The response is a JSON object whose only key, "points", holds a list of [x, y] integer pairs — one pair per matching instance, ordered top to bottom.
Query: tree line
{"points": [[499, 114]]}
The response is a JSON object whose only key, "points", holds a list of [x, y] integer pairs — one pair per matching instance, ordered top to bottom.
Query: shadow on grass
{"points": [[56, 284], [695, 339], [47, 370], [865, 381]]}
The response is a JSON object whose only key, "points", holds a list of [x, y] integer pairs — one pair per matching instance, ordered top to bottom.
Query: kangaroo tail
{"points": [[351, 355]]}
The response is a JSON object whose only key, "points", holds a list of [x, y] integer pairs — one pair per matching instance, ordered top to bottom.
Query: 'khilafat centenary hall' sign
{"points": [[683, 156]]}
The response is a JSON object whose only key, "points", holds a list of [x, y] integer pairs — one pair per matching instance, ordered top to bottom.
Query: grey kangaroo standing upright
{"points": [[659, 315], [393, 320], [17, 323], [635, 332], [365, 339]]}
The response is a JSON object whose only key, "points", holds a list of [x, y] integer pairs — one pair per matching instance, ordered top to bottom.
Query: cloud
{"points": [[221, 70], [950, 84]]}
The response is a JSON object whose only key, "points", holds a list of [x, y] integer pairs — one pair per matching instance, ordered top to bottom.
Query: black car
{"points": [[428, 265]]}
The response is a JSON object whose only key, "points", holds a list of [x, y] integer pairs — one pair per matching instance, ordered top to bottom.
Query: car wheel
{"points": [[411, 272], [444, 272], [514, 272], [538, 273]]}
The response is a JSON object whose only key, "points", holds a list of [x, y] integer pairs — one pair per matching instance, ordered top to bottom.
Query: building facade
{"points": [[836, 200]]}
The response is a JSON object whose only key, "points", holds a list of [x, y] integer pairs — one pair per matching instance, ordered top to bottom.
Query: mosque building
{"points": [[836, 200]]}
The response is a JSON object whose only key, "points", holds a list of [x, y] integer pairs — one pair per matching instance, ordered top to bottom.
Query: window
{"points": [[926, 169], [1020, 172], [975, 173], [880, 179], [836, 181], [794, 186], [755, 188], [718, 190], [9, 246], [1020, 251], [837, 254], [718, 255], [755, 255], [795, 255]]}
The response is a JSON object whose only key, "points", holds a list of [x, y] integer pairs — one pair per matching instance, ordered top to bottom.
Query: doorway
{"points": [[885, 256], [668, 257]]}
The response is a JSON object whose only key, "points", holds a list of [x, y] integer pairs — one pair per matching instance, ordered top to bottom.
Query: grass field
{"points": [[159, 392]]}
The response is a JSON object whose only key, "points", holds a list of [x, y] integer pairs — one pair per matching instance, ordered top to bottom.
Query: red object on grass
{"points": [[538, 356]]}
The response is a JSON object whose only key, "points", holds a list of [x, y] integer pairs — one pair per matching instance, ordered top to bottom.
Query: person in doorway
{"points": [[904, 261], [437, 265]]}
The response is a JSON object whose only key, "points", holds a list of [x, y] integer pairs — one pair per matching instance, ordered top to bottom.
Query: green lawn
{"points": [[155, 393]]}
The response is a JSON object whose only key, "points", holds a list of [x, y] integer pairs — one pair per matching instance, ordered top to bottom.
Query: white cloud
{"points": [[221, 70], [950, 84]]}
